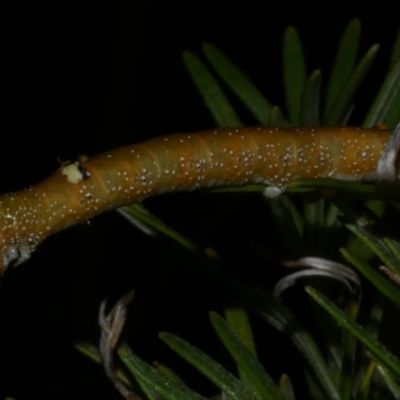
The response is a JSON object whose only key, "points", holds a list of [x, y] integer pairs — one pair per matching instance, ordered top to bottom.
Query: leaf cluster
{"points": [[358, 366]]}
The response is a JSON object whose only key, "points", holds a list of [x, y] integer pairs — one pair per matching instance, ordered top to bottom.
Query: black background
{"points": [[81, 78]]}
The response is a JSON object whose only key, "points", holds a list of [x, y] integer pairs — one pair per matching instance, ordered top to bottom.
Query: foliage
{"points": [[359, 366]]}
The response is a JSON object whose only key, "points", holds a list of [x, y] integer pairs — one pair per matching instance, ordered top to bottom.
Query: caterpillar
{"points": [[221, 157]]}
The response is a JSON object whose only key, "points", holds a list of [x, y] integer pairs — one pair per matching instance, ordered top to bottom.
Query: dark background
{"points": [[81, 78]]}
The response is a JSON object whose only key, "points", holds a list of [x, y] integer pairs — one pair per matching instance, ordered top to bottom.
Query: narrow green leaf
{"points": [[395, 51], [344, 63], [294, 71], [239, 83], [211, 92], [388, 98], [311, 100], [341, 107], [393, 114], [276, 118], [327, 183], [334, 189], [137, 214], [297, 216], [331, 216], [289, 223], [314, 224], [332, 229], [376, 244], [393, 245], [380, 282], [375, 317], [238, 320], [332, 336], [377, 349], [89, 351], [93, 353], [347, 365], [168, 372], [366, 378], [224, 380], [159, 383], [391, 383], [285, 384], [263, 386], [314, 386], [147, 390]]}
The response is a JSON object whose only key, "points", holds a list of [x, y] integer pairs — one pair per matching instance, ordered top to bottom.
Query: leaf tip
{"points": [[290, 30], [187, 55], [310, 290]]}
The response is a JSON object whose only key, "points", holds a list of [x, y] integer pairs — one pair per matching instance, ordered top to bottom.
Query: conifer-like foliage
{"points": [[314, 218]]}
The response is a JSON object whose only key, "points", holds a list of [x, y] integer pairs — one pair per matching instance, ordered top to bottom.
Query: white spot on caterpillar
{"points": [[72, 173]]}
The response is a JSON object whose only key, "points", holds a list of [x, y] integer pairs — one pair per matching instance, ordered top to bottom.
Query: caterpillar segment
{"points": [[183, 162]]}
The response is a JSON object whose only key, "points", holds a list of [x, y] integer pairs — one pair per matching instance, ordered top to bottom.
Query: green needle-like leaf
{"points": [[395, 52], [344, 63], [295, 75], [239, 83], [211, 92], [388, 99], [311, 100], [342, 106], [393, 115], [276, 118], [342, 189], [138, 215], [288, 222], [314, 224], [377, 245], [393, 246], [382, 283], [238, 321], [377, 349], [93, 353], [347, 365], [168, 372], [366, 378], [224, 380], [156, 381], [391, 383], [262, 384], [285, 384]]}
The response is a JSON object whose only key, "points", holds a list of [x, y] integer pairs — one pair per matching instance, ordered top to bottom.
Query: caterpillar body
{"points": [[182, 162]]}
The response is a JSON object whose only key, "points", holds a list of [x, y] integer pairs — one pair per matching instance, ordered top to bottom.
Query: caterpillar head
{"points": [[16, 245], [14, 255]]}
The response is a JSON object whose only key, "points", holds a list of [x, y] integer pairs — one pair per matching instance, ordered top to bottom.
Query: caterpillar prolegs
{"points": [[220, 157]]}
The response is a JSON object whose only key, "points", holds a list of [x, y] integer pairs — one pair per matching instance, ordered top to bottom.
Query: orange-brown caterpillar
{"points": [[220, 157]]}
